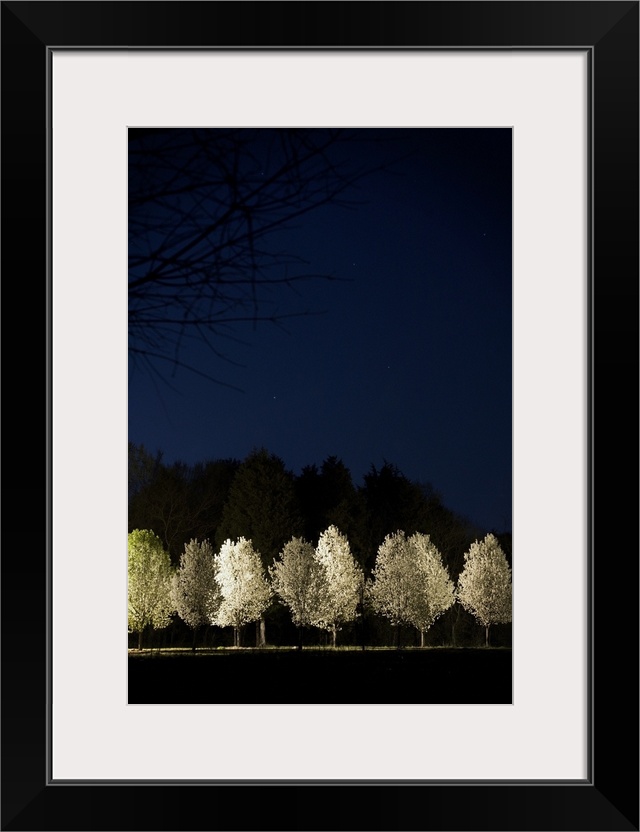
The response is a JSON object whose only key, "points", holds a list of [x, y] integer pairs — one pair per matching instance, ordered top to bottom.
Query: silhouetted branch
{"points": [[206, 208]]}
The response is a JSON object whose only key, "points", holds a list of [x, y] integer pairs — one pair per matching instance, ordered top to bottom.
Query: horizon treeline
{"points": [[258, 498], [261, 499]]}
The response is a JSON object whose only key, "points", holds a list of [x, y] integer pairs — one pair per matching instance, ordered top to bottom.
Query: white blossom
{"points": [[343, 579], [298, 580], [392, 581], [149, 582], [410, 584], [484, 586], [245, 591], [434, 591], [195, 592]]}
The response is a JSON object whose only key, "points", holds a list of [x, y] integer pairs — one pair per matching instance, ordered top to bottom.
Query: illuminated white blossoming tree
{"points": [[298, 580], [343, 581], [149, 583], [409, 583], [484, 586], [245, 590], [390, 590], [433, 590], [195, 591]]}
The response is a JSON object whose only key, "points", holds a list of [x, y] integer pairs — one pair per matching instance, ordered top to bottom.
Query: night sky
{"points": [[407, 358]]}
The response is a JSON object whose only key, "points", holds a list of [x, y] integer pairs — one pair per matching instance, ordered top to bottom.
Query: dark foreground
{"points": [[316, 677]]}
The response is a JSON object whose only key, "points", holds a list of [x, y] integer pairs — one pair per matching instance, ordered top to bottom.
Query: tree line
{"points": [[232, 544], [321, 586]]}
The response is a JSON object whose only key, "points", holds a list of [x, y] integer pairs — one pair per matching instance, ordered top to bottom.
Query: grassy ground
{"points": [[321, 676]]}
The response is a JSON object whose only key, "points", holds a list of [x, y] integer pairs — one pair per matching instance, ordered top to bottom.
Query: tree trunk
{"points": [[362, 614], [454, 625], [263, 633], [334, 635], [486, 635], [421, 638], [140, 639], [193, 643]]}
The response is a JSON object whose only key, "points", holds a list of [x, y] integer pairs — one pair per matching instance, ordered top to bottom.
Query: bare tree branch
{"points": [[206, 208]]}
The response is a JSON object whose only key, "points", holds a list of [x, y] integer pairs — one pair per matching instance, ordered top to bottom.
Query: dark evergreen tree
{"points": [[142, 468], [209, 486], [309, 494], [328, 497], [179, 502], [393, 503], [163, 507], [262, 507], [344, 507], [450, 532]]}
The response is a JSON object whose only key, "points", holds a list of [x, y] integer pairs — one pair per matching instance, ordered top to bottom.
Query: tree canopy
{"points": [[261, 505], [343, 579], [298, 580], [149, 583], [410, 584], [484, 586], [434, 590], [245, 591], [195, 592]]}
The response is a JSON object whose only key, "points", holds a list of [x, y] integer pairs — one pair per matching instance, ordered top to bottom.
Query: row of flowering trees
{"points": [[322, 586]]}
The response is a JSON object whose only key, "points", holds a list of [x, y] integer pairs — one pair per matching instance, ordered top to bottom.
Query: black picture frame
{"points": [[608, 799]]}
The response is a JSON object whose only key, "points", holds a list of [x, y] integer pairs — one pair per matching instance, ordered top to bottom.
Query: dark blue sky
{"points": [[408, 361]]}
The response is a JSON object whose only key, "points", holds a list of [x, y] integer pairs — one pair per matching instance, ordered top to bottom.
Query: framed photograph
{"points": [[547, 89]]}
